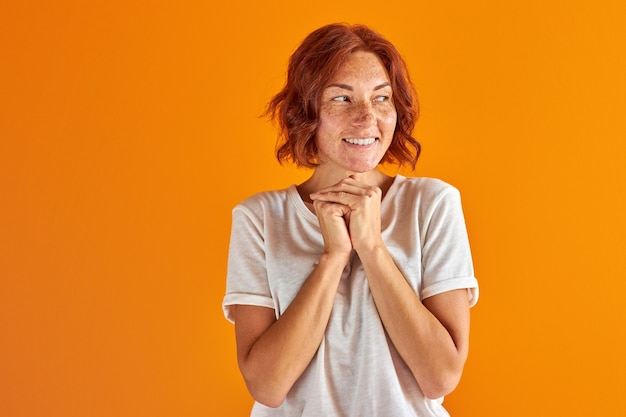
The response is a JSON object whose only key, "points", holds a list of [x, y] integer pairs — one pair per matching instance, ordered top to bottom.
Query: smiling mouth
{"points": [[360, 142]]}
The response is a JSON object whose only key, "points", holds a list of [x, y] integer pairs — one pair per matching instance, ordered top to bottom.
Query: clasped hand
{"points": [[349, 216]]}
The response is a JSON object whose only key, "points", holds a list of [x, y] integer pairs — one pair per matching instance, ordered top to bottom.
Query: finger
{"points": [[343, 184], [338, 190], [339, 197], [351, 197], [330, 208]]}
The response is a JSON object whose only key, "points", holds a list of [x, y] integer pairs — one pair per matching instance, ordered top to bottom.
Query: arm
{"points": [[431, 336], [272, 354]]}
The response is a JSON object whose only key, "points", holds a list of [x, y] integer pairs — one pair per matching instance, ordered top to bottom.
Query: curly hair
{"points": [[311, 67]]}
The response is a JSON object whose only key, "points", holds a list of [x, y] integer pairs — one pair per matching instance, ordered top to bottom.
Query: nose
{"points": [[363, 113]]}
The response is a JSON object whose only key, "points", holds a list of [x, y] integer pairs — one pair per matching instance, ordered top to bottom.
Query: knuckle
{"points": [[372, 192]]}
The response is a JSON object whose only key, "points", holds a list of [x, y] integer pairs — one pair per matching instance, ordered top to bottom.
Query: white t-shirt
{"points": [[275, 244]]}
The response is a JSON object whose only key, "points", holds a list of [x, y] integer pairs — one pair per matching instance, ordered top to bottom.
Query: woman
{"points": [[350, 292]]}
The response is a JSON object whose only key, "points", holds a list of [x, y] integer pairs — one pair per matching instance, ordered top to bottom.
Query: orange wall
{"points": [[128, 132]]}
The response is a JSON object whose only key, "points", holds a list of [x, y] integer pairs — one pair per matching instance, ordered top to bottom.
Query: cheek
{"points": [[331, 114], [326, 117], [388, 117], [325, 126], [326, 130]]}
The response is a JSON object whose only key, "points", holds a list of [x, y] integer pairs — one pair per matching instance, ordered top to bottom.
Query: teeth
{"points": [[361, 142]]}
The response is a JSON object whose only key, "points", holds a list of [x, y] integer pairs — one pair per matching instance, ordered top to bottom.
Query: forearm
{"points": [[423, 342], [280, 355]]}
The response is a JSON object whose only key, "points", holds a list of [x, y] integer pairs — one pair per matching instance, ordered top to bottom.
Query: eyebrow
{"points": [[349, 88]]}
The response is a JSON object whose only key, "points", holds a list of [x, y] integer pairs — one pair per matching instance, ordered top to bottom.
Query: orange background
{"points": [[128, 131]]}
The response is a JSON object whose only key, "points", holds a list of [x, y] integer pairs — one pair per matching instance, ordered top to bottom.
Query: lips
{"points": [[360, 141]]}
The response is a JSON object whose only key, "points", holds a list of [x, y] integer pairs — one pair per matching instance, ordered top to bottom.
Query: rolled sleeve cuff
{"points": [[454, 284], [245, 299]]}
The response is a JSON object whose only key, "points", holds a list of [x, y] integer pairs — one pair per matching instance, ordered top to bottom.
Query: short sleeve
{"points": [[446, 256], [246, 281]]}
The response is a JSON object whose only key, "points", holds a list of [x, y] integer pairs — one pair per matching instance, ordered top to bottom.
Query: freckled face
{"points": [[357, 116]]}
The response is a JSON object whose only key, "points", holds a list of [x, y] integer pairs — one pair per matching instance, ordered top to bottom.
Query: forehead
{"points": [[361, 66]]}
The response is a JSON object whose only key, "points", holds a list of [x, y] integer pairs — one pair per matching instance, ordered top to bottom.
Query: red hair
{"points": [[311, 67]]}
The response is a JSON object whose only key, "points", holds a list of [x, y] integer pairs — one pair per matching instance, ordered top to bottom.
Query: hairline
{"points": [[350, 88]]}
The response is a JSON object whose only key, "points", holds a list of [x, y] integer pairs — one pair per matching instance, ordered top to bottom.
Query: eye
{"points": [[340, 98], [381, 98]]}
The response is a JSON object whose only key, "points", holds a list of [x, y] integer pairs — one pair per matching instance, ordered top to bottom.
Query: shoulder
{"points": [[425, 189], [265, 201]]}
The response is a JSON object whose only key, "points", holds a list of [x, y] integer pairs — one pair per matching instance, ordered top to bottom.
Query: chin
{"points": [[352, 167], [362, 167], [360, 170]]}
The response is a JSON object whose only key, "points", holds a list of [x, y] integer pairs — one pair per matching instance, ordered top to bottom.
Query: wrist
{"points": [[371, 249], [334, 259]]}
